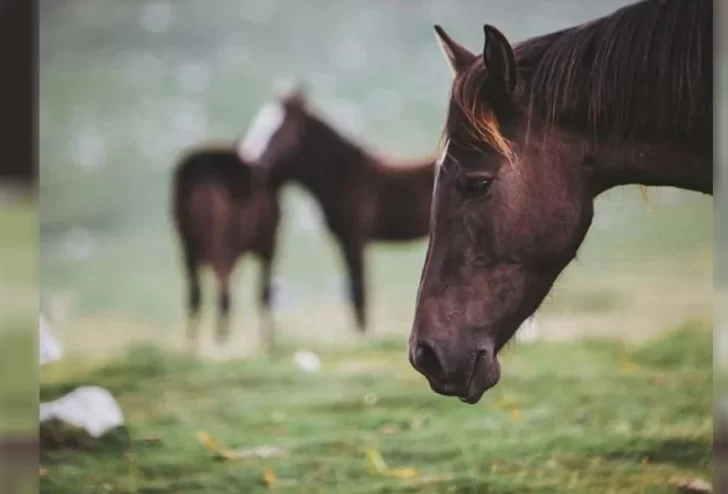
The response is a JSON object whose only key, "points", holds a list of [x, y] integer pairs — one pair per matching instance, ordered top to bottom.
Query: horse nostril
{"points": [[427, 362]]}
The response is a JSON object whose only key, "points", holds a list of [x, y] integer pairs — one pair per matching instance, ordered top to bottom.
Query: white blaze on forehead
{"points": [[265, 124], [441, 159]]}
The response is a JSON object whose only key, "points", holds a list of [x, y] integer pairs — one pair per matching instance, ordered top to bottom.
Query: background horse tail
{"points": [[184, 221]]}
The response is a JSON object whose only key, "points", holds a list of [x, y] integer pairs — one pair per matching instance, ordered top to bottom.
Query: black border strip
{"points": [[18, 90]]}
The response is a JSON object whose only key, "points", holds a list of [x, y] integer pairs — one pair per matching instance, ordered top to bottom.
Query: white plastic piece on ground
{"points": [[528, 332], [49, 348], [307, 361], [89, 407]]}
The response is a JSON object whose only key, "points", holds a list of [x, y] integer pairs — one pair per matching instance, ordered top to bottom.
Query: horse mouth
{"points": [[484, 374], [482, 378]]}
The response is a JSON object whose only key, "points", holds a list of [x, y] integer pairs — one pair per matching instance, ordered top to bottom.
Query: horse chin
{"points": [[485, 375]]}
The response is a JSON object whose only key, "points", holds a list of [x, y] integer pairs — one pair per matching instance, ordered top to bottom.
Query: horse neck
{"points": [[640, 112], [327, 161], [681, 161], [685, 163], [674, 165]]}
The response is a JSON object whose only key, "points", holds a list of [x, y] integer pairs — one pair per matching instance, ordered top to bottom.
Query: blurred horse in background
{"points": [[363, 197], [222, 209]]}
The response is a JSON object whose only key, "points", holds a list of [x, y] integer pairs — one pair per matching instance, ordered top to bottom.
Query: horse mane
{"points": [[643, 71], [471, 105], [342, 138], [341, 142]]}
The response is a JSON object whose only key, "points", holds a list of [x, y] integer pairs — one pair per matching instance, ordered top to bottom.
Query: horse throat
{"points": [[673, 165]]}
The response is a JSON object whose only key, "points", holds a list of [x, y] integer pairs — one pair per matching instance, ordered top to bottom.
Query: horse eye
{"points": [[474, 186]]}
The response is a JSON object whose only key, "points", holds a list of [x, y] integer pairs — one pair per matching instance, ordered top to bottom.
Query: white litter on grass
{"points": [[528, 332], [49, 348], [307, 361], [371, 399], [89, 407]]}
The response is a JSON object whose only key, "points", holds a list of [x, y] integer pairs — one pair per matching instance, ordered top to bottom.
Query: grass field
{"points": [[626, 414], [586, 417]]}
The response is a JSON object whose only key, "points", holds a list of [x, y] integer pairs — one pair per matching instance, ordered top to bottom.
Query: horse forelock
{"points": [[644, 70], [471, 112]]}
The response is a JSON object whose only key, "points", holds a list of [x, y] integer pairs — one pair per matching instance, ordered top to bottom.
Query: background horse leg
{"points": [[354, 257], [194, 298], [223, 304], [267, 329]]}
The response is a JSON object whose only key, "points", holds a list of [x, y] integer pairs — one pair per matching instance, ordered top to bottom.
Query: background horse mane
{"points": [[635, 73], [358, 153]]}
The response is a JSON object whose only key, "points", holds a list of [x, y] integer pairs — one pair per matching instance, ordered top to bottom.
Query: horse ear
{"points": [[458, 57], [499, 59], [291, 91], [298, 94]]}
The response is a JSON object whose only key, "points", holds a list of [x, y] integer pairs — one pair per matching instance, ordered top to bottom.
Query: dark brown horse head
{"points": [[274, 137], [293, 142], [508, 214]]}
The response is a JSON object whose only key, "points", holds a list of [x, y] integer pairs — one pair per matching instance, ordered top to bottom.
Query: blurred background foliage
{"points": [[127, 86]]}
